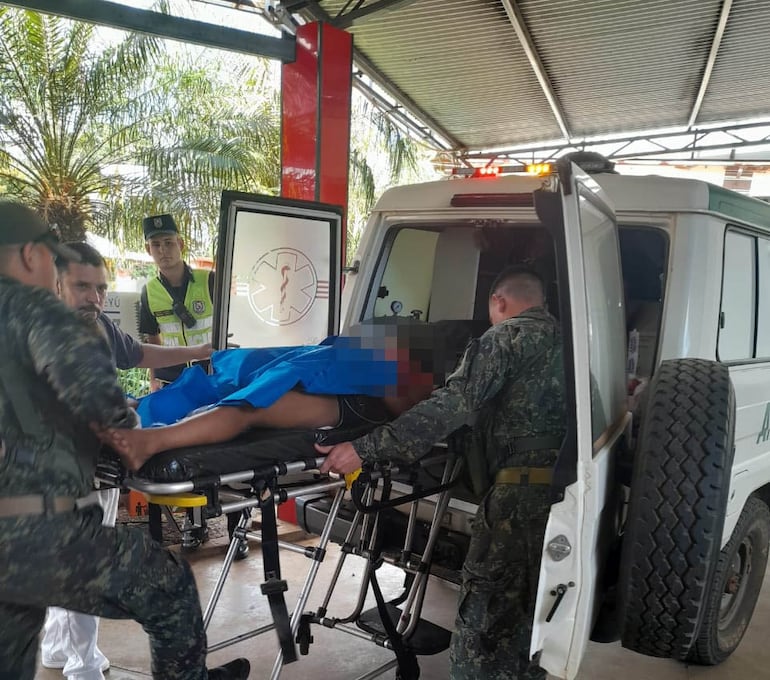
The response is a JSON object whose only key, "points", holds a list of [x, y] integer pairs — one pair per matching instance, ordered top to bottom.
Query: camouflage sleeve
{"points": [[74, 359], [486, 366]]}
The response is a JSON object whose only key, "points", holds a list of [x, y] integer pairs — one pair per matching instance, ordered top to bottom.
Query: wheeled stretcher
{"points": [[263, 468]]}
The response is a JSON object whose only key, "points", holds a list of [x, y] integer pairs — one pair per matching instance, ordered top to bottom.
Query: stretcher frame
{"points": [[268, 485], [370, 499]]}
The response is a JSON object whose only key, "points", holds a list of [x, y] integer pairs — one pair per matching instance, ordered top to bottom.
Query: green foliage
{"points": [[66, 113], [220, 130], [98, 137], [382, 155], [139, 270], [135, 381]]}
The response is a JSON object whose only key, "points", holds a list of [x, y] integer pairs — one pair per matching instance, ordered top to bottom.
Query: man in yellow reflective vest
{"points": [[176, 306], [176, 309]]}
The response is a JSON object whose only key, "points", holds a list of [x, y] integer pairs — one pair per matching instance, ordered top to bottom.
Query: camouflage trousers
{"points": [[71, 561], [497, 598]]}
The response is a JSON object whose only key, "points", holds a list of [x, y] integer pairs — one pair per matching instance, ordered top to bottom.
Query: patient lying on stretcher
{"points": [[373, 374]]}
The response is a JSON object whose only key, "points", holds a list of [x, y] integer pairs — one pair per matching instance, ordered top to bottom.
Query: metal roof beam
{"points": [[315, 12], [347, 20], [517, 21], [164, 26], [712, 58], [368, 68], [399, 116], [668, 142], [691, 148]]}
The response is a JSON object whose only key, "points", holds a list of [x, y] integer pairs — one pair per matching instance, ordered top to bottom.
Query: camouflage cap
{"points": [[20, 224], [159, 224]]}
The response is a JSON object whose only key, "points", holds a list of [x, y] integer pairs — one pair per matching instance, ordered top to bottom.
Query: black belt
{"points": [[524, 444], [524, 476], [35, 504]]}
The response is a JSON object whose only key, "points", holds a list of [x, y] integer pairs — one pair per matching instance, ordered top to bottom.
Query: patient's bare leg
{"points": [[293, 409]]}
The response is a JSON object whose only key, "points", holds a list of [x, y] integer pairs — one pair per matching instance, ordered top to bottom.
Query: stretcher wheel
{"points": [[304, 638]]}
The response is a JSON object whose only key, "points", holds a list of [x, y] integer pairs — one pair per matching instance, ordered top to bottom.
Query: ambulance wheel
{"points": [[677, 504], [736, 586]]}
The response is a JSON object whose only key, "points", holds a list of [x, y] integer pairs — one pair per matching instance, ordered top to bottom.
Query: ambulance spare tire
{"points": [[679, 488]]}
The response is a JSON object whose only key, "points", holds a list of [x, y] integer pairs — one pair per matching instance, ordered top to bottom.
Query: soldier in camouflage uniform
{"points": [[57, 383], [510, 387]]}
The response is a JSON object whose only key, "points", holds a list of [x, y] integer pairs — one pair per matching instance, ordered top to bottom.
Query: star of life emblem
{"points": [[283, 285]]}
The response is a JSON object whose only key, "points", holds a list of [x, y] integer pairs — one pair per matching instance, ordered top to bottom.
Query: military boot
{"points": [[238, 669]]}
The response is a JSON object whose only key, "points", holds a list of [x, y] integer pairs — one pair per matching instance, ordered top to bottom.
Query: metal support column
{"points": [[315, 117]]}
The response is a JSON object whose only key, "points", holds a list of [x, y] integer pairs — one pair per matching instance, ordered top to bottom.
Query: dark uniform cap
{"points": [[20, 224], [159, 224]]}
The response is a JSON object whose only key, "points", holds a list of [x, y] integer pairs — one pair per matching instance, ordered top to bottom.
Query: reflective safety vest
{"points": [[198, 302]]}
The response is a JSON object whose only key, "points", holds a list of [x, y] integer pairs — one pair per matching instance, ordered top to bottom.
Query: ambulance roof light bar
{"points": [[537, 169]]}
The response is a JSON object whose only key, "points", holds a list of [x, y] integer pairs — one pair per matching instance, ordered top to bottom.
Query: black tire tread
{"points": [[679, 490], [706, 650]]}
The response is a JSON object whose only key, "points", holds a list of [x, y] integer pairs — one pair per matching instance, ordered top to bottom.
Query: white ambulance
{"points": [[659, 529]]}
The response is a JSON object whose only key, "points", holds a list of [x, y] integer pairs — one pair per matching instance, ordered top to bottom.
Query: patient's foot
{"points": [[135, 447]]}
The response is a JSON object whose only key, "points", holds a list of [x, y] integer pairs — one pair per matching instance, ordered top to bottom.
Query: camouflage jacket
{"points": [[56, 377], [508, 384]]}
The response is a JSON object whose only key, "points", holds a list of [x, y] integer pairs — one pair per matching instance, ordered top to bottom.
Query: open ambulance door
{"points": [[277, 271], [585, 516]]}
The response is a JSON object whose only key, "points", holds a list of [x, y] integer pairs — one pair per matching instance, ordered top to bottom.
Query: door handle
{"points": [[559, 592]]}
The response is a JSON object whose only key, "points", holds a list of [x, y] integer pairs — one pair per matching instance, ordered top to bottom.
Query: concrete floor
{"points": [[335, 654]]}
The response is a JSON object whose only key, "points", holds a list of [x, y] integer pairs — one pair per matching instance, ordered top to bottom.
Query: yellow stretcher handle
{"points": [[351, 477], [182, 500]]}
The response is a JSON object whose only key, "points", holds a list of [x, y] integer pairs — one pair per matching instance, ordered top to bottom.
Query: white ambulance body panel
{"points": [[701, 310]]}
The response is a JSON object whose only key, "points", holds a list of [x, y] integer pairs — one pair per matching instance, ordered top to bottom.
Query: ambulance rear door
{"points": [[277, 271], [585, 517]]}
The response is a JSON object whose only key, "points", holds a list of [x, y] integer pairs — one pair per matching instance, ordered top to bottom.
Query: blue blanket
{"points": [[259, 377]]}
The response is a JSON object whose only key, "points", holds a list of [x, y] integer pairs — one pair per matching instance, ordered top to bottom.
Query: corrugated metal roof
{"points": [[461, 62], [614, 66], [619, 66], [510, 75], [740, 85]]}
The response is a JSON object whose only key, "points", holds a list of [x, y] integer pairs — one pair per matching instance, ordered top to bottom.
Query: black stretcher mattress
{"points": [[264, 448], [255, 449]]}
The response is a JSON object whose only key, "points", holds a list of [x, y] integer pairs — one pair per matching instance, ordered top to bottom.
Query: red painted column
{"points": [[315, 117], [315, 129]]}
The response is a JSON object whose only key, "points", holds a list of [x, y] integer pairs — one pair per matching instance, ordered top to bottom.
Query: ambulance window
{"points": [[525, 246], [643, 252], [405, 286], [604, 295], [736, 319], [763, 323]]}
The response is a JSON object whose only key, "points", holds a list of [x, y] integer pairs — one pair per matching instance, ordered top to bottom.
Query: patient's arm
{"points": [[293, 409]]}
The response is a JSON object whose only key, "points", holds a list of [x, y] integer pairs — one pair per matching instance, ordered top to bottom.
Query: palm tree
{"points": [[66, 113], [219, 129], [98, 137], [101, 137], [382, 155]]}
